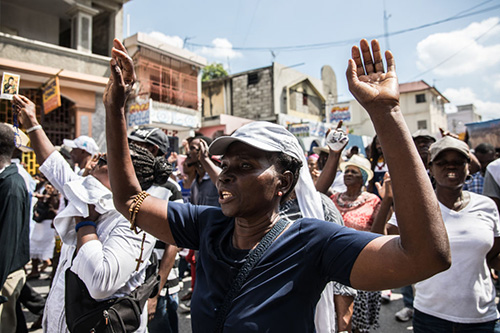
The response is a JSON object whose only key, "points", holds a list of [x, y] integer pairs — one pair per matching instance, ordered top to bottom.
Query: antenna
{"points": [[186, 39], [272, 55]]}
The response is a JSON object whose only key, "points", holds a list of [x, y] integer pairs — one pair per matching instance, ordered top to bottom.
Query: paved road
{"points": [[387, 322]]}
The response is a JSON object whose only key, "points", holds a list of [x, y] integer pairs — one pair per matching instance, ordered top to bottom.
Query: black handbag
{"points": [[123, 314]]}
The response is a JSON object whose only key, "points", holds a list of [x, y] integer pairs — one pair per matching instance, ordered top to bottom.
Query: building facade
{"points": [[70, 39], [168, 92], [276, 93], [421, 105], [465, 114]]}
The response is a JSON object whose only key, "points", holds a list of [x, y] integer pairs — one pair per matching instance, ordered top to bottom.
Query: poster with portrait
{"points": [[10, 85]]}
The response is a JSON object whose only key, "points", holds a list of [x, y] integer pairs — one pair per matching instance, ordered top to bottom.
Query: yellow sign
{"points": [[51, 95]]}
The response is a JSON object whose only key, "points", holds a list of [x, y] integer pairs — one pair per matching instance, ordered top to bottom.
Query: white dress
{"points": [[42, 241]]}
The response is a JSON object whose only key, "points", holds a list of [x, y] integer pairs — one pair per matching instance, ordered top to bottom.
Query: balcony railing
{"points": [[167, 85]]}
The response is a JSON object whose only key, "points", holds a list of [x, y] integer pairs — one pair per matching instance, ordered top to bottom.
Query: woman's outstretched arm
{"points": [[152, 216], [422, 249]]}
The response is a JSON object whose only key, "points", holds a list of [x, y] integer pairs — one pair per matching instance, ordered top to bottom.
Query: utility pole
{"points": [[386, 28]]}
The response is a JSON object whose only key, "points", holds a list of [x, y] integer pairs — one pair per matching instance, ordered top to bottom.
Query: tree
{"points": [[213, 71]]}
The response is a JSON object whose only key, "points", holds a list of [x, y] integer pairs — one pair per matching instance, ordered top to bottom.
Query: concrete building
{"points": [[70, 39], [276, 93], [168, 94], [421, 105], [465, 114]]}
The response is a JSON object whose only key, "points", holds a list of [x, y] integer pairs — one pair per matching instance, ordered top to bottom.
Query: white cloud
{"points": [[170, 40], [222, 49], [475, 56], [495, 82], [460, 96], [489, 110]]}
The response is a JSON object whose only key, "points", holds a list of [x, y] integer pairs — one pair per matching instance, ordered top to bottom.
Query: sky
{"points": [[453, 45]]}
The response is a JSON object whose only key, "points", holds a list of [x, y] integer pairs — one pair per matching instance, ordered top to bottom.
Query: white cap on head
{"points": [[271, 137], [83, 142]]}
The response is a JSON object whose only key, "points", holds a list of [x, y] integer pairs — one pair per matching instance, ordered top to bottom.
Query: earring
{"points": [[280, 193]]}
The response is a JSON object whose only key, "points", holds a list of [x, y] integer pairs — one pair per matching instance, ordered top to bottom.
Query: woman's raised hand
{"points": [[121, 79], [374, 88], [26, 111], [385, 190]]}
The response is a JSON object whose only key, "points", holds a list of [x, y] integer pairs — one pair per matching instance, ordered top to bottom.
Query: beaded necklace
{"points": [[17, 136], [350, 204]]}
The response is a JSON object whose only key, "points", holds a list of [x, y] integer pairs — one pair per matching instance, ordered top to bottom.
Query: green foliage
{"points": [[213, 71]]}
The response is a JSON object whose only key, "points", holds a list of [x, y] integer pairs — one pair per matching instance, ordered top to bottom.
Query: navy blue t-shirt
{"points": [[282, 290]]}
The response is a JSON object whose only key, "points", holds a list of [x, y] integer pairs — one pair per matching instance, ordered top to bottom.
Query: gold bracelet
{"points": [[134, 208]]}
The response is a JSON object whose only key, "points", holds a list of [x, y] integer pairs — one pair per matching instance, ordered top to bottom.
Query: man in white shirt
{"points": [[84, 148]]}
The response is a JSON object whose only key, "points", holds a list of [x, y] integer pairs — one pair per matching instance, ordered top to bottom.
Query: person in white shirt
{"points": [[83, 148], [109, 259], [463, 297]]}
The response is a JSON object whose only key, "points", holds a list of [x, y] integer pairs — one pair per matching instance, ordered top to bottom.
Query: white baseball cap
{"points": [[262, 135], [83, 142]]}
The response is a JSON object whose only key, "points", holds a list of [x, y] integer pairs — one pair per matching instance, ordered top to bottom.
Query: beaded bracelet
{"points": [[134, 208], [84, 223]]}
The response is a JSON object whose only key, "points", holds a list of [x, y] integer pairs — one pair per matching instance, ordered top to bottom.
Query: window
{"points": [[253, 78], [420, 98], [304, 99], [422, 124]]}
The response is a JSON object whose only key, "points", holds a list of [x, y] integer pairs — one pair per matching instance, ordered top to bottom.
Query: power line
{"points": [[251, 22], [292, 48], [454, 54]]}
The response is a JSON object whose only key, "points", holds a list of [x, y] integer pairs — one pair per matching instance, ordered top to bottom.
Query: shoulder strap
{"points": [[252, 259]]}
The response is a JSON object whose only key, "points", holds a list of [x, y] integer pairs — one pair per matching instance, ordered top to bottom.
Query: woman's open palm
{"points": [[368, 81]]}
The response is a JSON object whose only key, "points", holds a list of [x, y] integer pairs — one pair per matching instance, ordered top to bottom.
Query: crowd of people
{"points": [[277, 238]]}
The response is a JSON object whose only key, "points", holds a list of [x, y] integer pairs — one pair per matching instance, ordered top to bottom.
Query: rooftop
{"points": [[419, 86]]}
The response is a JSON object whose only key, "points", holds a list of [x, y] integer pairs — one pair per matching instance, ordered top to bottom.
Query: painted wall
{"points": [[29, 23], [284, 76], [213, 96]]}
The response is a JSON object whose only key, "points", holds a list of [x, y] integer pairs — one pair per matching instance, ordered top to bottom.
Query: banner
{"points": [[51, 95], [340, 112], [139, 113], [318, 129], [299, 130], [484, 132]]}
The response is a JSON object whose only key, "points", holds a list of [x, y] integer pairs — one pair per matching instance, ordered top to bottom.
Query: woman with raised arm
{"points": [[98, 244], [282, 279]]}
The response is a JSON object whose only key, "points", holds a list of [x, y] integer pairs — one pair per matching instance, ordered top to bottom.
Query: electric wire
{"points": [[316, 46]]}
